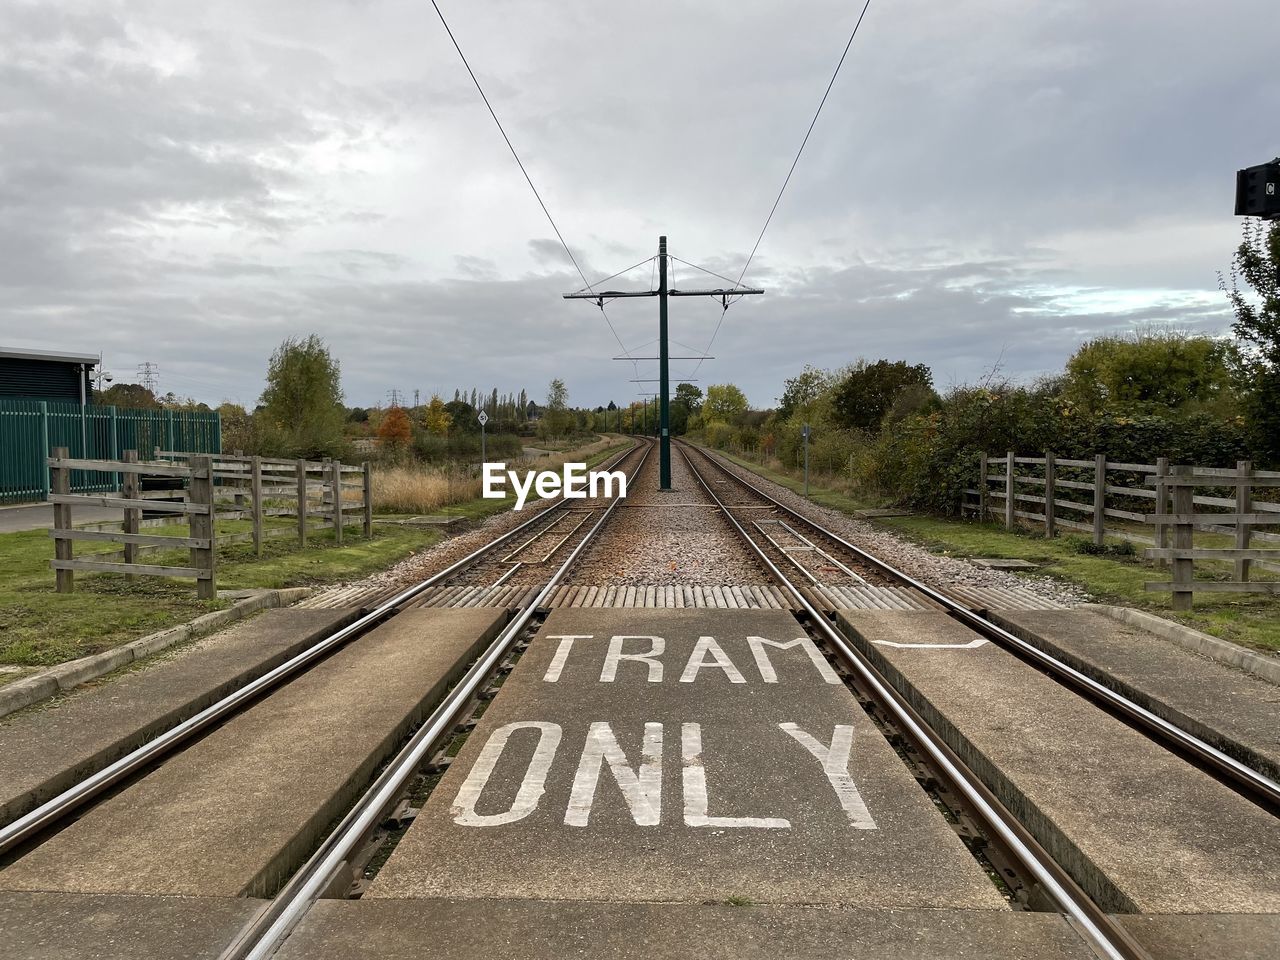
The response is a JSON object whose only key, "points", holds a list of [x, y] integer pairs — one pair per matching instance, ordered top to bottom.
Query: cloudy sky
{"points": [[991, 180]]}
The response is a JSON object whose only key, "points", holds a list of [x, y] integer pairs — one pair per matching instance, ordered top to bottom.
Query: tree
{"points": [[1257, 262], [1257, 323], [1152, 372], [867, 390], [802, 391], [128, 395], [690, 396], [725, 403], [302, 409], [462, 416], [436, 418], [557, 420], [237, 428], [395, 431]]}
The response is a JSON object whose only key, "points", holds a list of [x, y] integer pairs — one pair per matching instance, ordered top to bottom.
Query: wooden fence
{"points": [[205, 489], [315, 492], [1092, 492], [197, 507]]}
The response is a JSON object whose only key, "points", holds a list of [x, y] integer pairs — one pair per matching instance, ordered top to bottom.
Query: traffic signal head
{"points": [[1258, 191]]}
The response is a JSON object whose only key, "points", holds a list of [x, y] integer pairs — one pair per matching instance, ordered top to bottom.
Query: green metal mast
{"points": [[664, 354], [664, 406]]}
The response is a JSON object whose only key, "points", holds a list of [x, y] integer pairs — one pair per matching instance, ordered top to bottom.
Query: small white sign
{"points": [[1271, 189], [483, 418]]}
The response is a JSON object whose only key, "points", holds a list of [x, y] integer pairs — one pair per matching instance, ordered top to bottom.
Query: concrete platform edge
{"points": [[1260, 665], [66, 676], [1144, 698], [1060, 846], [291, 856]]}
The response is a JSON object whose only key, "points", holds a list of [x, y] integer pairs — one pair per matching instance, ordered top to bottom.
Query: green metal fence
{"points": [[29, 429]]}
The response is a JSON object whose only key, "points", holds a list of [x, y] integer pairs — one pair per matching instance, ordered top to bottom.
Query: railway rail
{"points": [[549, 550], [829, 554], [849, 559], [27, 829], [326, 865]]}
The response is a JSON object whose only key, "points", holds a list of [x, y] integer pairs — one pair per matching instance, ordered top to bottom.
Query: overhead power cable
{"points": [[528, 179], [778, 199], [620, 273]]}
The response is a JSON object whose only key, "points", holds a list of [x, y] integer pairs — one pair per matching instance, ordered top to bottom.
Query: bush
{"points": [[466, 447]]}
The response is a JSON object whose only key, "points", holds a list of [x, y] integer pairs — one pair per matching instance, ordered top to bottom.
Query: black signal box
{"points": [[1258, 191]]}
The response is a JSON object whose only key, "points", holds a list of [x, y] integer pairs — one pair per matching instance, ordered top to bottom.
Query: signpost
{"points": [[483, 418], [806, 459]]}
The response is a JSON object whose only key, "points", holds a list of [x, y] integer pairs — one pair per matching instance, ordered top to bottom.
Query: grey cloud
{"points": [[190, 183]]}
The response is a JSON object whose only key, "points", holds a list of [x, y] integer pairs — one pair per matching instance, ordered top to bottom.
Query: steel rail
{"points": [[1248, 781], [76, 796], [1103, 934], [263, 936]]}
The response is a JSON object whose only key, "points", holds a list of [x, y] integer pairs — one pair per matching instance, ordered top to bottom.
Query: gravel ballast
{"points": [[680, 538], [912, 559]]}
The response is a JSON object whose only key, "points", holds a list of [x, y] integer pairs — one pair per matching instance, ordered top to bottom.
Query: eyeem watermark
{"points": [[576, 483]]}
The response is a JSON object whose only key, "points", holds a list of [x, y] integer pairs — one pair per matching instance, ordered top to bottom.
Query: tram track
{"points": [[564, 541], [831, 555], [1241, 777], [19, 836], [330, 862], [1101, 931]]}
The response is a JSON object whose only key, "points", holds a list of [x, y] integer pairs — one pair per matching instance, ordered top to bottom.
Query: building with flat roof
{"points": [[46, 375]]}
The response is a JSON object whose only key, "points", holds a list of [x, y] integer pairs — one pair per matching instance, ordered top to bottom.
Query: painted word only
{"points": [[574, 483], [640, 655], [641, 784]]}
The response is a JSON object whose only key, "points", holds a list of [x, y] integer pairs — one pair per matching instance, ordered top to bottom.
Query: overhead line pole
{"points": [[664, 355], [664, 408]]}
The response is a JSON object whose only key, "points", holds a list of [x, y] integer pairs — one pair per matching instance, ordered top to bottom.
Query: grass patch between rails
{"points": [[1249, 619]]}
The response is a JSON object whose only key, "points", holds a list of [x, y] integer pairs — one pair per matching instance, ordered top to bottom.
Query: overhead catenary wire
{"points": [[529, 180], [778, 199], [620, 273], [720, 276]]}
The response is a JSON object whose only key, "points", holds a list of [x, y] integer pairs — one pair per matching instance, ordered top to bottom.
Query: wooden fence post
{"points": [[335, 466], [300, 470], [255, 480], [60, 482], [131, 484], [982, 487], [1050, 489], [1008, 492], [239, 496], [368, 498], [1099, 498], [1244, 504], [1162, 506], [201, 525], [1183, 539]]}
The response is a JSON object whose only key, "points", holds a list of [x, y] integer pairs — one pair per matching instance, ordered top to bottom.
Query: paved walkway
{"points": [[39, 516]]}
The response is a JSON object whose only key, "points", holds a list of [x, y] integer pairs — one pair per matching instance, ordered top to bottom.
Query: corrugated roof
{"points": [[54, 356]]}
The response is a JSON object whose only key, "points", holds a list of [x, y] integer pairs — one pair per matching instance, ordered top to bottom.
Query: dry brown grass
{"points": [[423, 488]]}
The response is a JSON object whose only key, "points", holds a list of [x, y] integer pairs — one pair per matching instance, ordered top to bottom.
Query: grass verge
{"points": [[40, 628]]}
